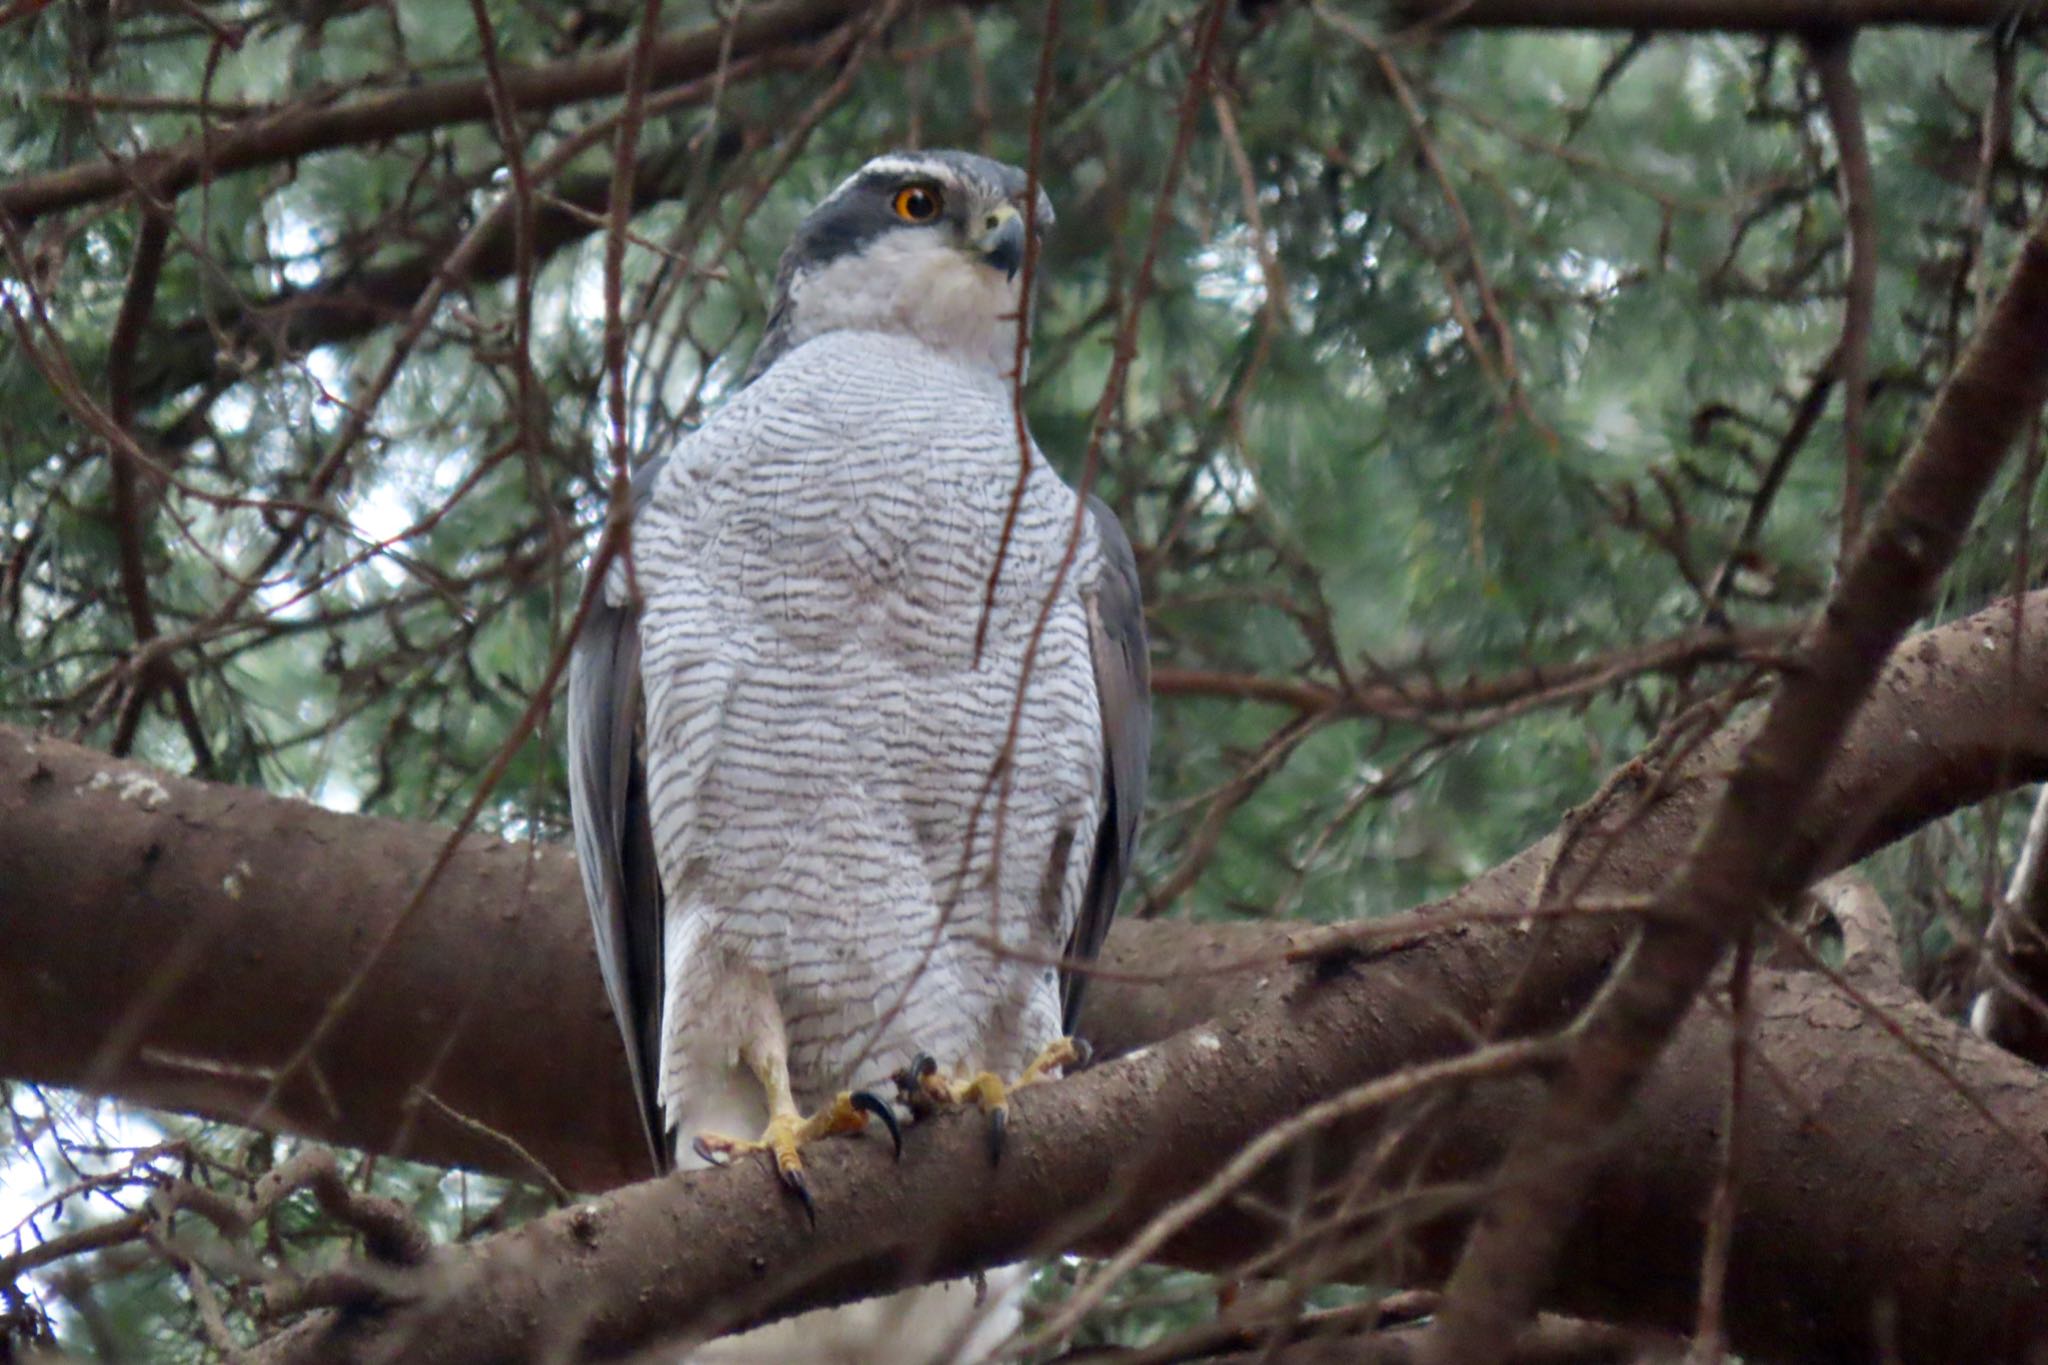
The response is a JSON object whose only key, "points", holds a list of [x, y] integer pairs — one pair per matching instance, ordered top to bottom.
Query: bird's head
{"points": [[922, 244]]}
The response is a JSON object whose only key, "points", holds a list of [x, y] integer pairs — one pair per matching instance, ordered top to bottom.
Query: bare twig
{"points": [[1830, 55], [315, 127], [1497, 1060]]}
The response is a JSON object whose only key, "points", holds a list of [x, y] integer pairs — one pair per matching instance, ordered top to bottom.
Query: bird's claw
{"points": [[917, 1087], [924, 1091], [868, 1102], [998, 1128], [788, 1133], [794, 1178]]}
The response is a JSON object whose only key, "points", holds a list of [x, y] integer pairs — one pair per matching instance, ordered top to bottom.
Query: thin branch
{"points": [[1700, 16], [1830, 55], [308, 128], [1806, 414], [130, 510], [1517, 689], [1498, 1059], [1710, 1330]]}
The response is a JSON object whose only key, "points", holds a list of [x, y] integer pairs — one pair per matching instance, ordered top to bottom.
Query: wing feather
{"points": [[1123, 690], [614, 841]]}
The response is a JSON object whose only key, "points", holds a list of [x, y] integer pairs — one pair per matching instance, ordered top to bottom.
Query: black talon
{"points": [[1084, 1053], [910, 1087], [870, 1103], [998, 1126], [704, 1153], [794, 1178]]}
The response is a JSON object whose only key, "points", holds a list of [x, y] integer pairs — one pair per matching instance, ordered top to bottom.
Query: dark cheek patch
{"points": [[842, 233]]}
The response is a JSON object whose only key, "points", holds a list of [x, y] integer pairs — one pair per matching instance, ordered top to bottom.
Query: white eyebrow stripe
{"points": [[900, 166]]}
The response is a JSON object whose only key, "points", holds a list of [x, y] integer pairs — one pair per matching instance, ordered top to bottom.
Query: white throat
{"points": [[913, 286]]}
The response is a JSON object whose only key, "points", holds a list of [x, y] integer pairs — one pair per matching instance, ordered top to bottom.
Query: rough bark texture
{"points": [[170, 940], [173, 941], [1876, 1187]]}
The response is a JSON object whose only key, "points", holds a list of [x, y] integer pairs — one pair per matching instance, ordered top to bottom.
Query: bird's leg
{"points": [[924, 1090], [788, 1130]]}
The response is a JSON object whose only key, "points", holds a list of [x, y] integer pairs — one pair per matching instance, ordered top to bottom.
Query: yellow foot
{"points": [[1057, 1055], [924, 1090], [789, 1132]]}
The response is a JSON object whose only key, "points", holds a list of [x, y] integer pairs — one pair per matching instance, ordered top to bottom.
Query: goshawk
{"points": [[840, 808]]}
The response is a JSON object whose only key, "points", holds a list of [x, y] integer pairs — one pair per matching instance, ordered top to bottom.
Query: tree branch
{"points": [[1697, 16], [1831, 55], [305, 129], [354, 303], [1516, 689], [172, 940], [720, 1249]]}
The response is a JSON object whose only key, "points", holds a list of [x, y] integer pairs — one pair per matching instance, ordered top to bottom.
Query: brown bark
{"points": [[168, 940], [172, 941], [1876, 1185], [1548, 1341]]}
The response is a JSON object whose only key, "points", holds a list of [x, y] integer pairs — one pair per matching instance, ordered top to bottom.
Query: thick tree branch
{"points": [[1748, 855], [117, 882], [172, 940], [1828, 1208]]}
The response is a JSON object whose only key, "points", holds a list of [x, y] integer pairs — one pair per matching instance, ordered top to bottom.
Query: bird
{"points": [[858, 727]]}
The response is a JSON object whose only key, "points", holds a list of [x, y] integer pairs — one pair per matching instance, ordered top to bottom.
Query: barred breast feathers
{"points": [[814, 561]]}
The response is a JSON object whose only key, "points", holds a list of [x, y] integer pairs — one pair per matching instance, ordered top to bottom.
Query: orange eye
{"points": [[917, 203]]}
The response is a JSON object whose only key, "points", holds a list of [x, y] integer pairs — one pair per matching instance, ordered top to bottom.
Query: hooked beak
{"points": [[1001, 241]]}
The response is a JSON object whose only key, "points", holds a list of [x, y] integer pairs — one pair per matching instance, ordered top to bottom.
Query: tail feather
{"points": [[937, 1324]]}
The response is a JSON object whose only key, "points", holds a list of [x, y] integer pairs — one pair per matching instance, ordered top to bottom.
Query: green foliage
{"points": [[1447, 397]]}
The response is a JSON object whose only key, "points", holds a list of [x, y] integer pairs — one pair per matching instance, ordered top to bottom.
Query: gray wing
{"points": [[1123, 690], [614, 842]]}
